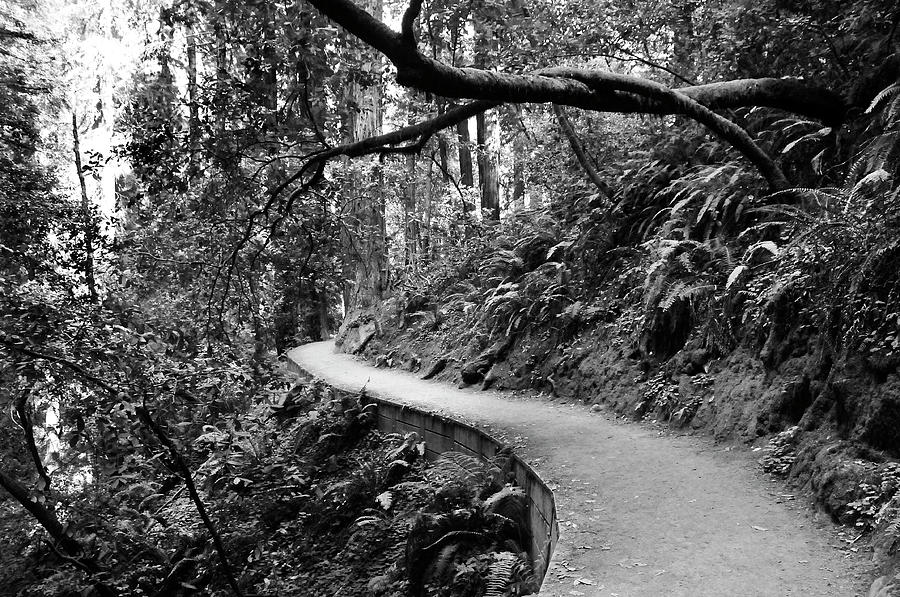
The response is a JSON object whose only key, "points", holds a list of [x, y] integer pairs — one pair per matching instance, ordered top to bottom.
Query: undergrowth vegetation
{"points": [[698, 253], [310, 499]]}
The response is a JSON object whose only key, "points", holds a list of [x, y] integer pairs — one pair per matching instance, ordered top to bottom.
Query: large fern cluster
{"points": [[838, 248], [470, 542]]}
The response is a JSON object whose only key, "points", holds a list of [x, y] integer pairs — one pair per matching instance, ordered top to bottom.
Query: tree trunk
{"points": [[683, 41], [221, 90], [193, 106], [486, 128], [443, 150], [519, 160], [488, 171], [466, 174], [428, 195], [411, 217], [88, 221], [365, 251]]}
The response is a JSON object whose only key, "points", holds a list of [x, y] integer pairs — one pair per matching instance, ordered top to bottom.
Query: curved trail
{"points": [[641, 513]]}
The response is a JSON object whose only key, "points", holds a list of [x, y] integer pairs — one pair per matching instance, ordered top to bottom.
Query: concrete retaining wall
{"points": [[443, 434]]}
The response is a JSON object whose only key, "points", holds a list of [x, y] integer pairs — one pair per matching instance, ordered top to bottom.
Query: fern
{"points": [[459, 467], [509, 502], [499, 574], [509, 574]]}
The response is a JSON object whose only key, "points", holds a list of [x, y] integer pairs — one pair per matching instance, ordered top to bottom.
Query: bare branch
{"points": [[580, 153]]}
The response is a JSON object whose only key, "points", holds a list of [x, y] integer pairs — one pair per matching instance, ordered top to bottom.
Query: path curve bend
{"points": [[642, 514]]}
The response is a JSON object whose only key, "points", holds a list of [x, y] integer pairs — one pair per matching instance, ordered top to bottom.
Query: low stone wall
{"points": [[443, 434]]}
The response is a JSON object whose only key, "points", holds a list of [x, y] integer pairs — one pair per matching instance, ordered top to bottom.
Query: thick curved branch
{"points": [[421, 72], [593, 90], [683, 104]]}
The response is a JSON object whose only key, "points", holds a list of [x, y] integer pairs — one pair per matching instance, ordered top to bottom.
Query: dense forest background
{"points": [[189, 188]]}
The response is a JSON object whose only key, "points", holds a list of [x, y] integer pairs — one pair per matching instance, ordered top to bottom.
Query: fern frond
{"points": [[884, 94], [870, 182], [673, 296], [456, 466], [509, 502], [443, 563], [500, 573]]}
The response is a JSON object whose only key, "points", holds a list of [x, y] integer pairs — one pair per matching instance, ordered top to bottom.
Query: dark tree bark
{"points": [[485, 126], [443, 149], [466, 173], [517, 198], [426, 233]]}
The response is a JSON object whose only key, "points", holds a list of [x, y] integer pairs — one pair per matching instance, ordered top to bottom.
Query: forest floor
{"points": [[643, 512]]}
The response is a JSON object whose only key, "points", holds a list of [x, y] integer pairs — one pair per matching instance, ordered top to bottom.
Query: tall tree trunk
{"points": [[684, 42], [269, 62], [221, 90], [193, 106], [486, 127], [443, 149], [519, 160], [488, 170], [466, 174], [427, 197], [411, 216], [88, 221], [365, 250]]}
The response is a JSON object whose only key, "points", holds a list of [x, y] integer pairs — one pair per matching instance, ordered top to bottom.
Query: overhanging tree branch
{"points": [[617, 93]]}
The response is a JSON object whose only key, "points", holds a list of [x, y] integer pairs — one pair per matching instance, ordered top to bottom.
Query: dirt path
{"points": [[642, 513]]}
